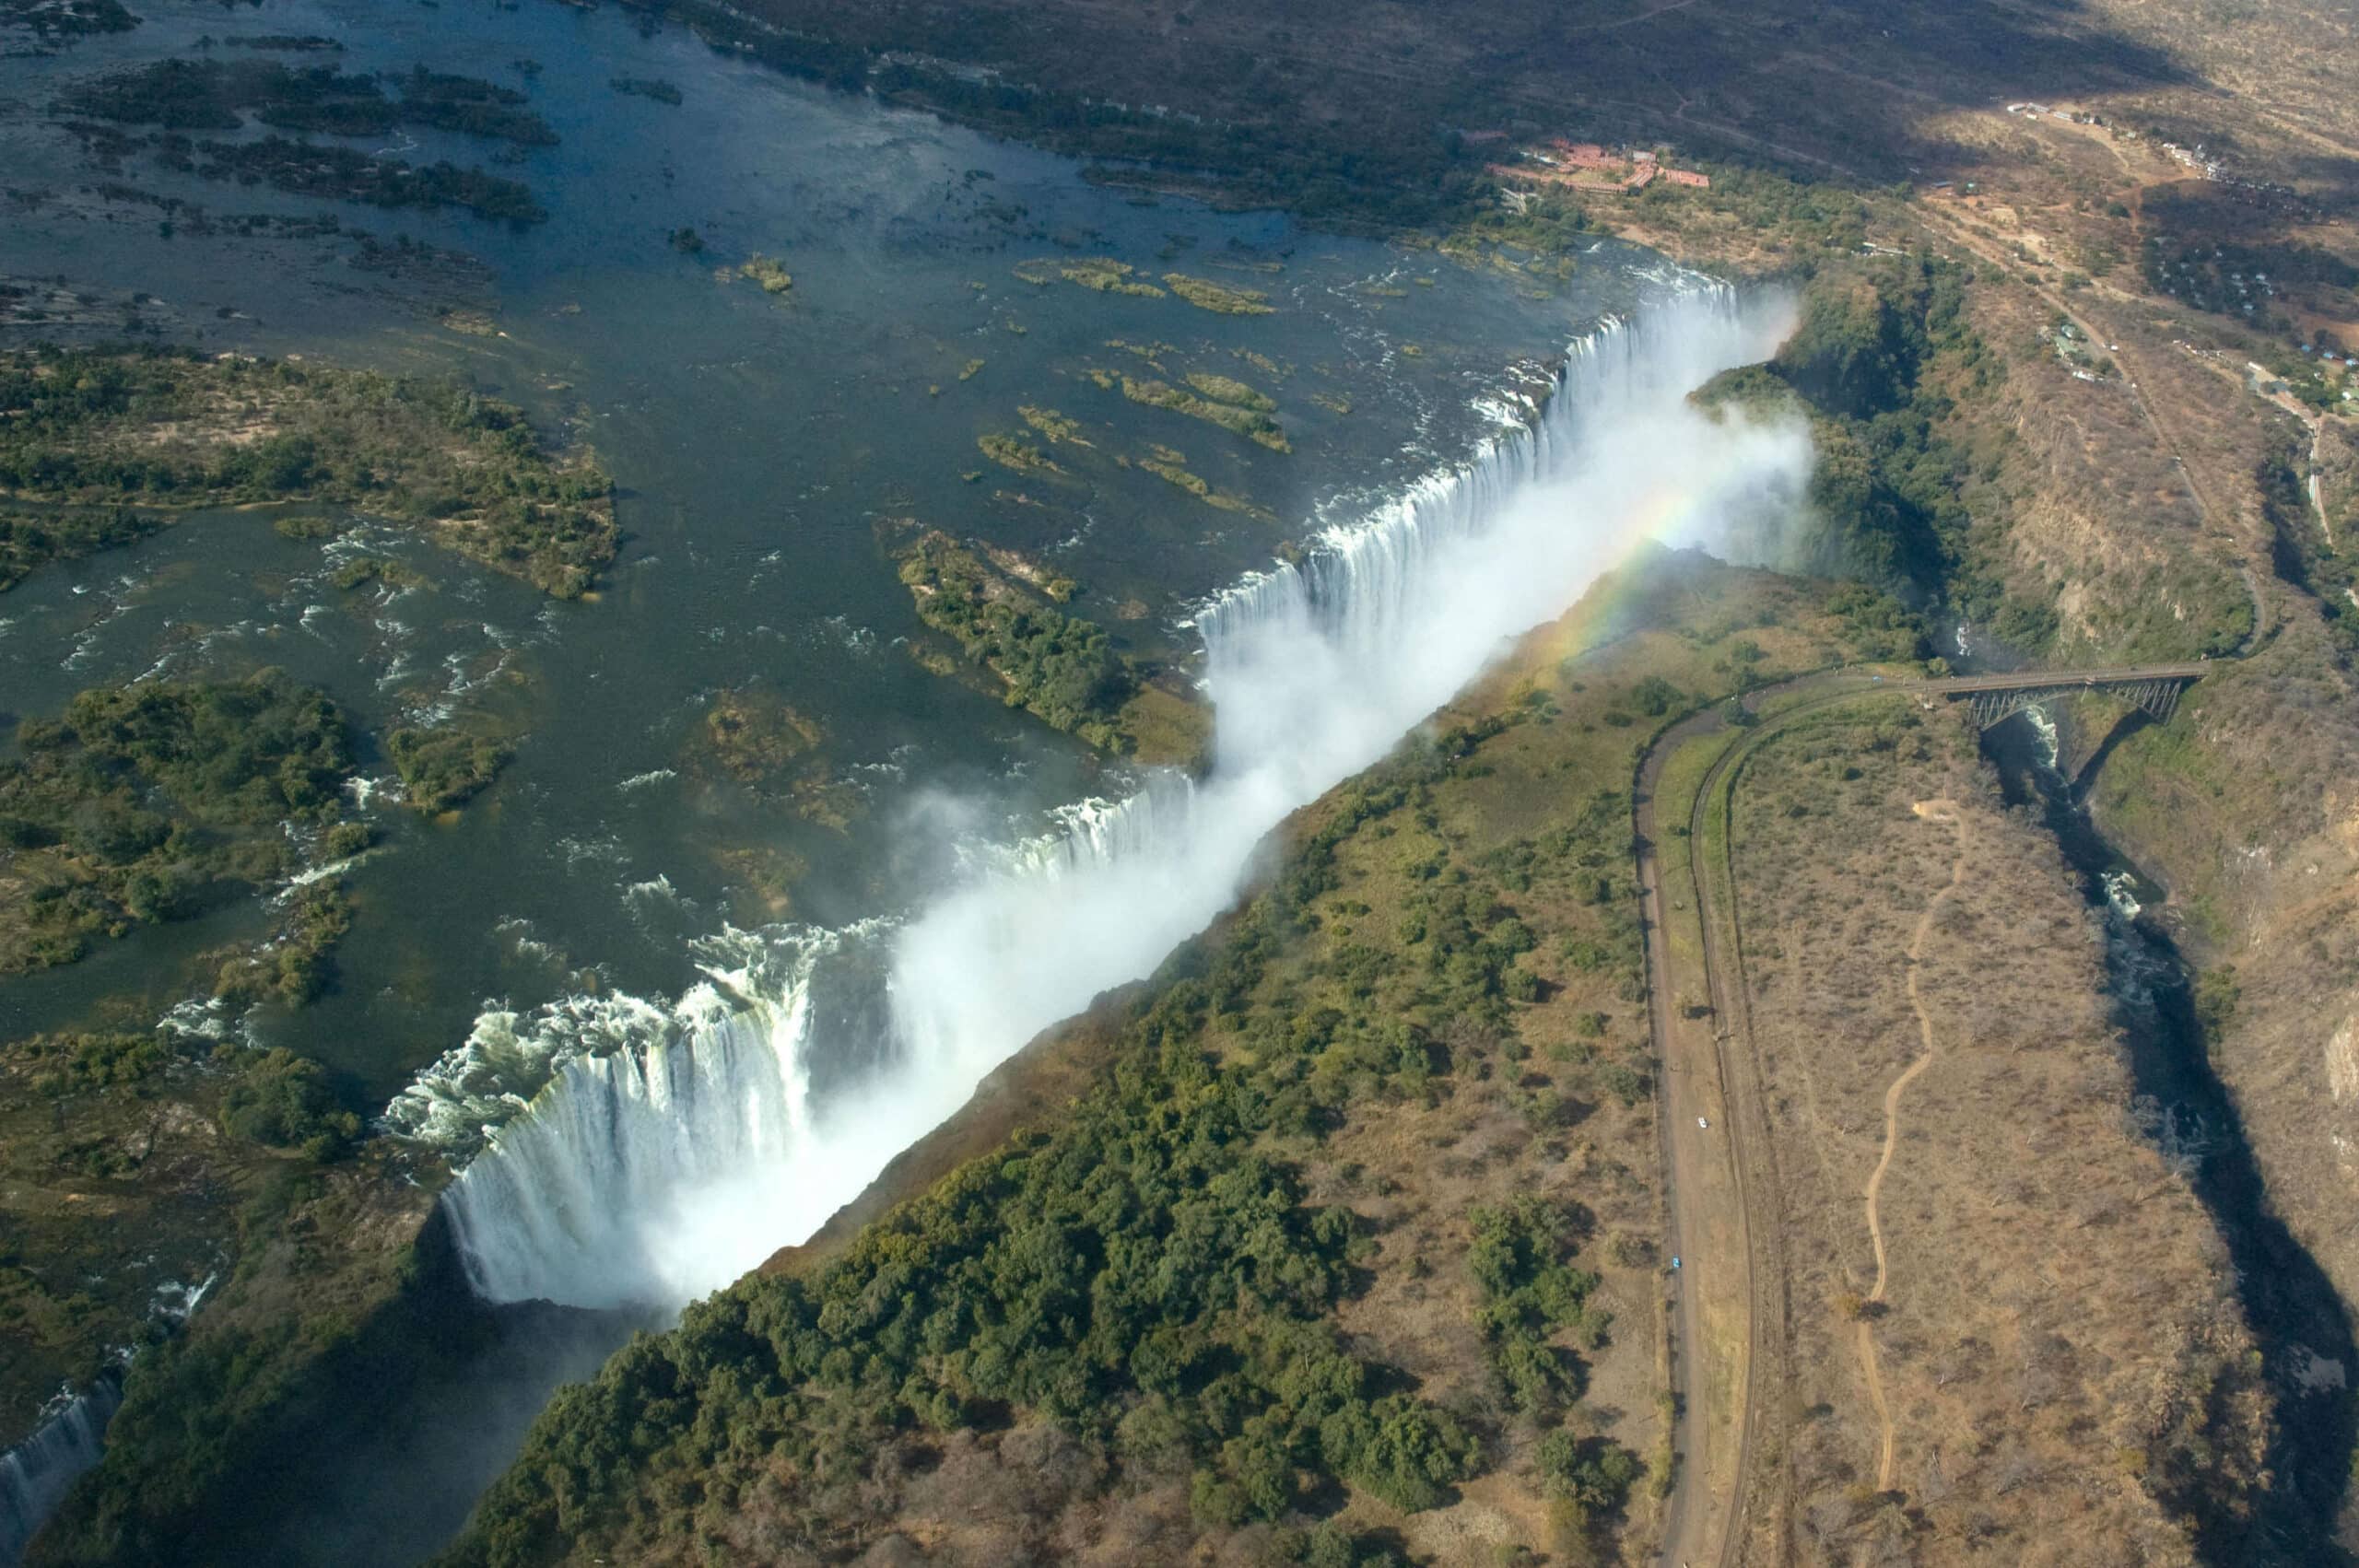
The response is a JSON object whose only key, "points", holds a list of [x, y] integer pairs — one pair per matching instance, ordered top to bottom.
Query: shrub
{"points": [[442, 769], [283, 1100]]}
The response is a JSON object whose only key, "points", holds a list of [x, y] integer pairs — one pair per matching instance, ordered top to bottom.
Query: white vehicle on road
{"points": [[1702, 1123]]}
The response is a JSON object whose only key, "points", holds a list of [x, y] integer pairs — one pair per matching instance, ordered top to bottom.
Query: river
{"points": [[758, 442]]}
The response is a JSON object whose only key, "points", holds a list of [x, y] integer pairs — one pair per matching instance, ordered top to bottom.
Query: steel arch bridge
{"points": [[1993, 699]]}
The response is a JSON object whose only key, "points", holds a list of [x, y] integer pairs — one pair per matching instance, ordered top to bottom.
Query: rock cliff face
{"points": [[2096, 514], [2248, 809], [228, 1427]]}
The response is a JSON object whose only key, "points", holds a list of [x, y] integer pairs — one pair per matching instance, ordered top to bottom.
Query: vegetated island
{"points": [[53, 21], [298, 43], [655, 87], [216, 95], [181, 96], [331, 173], [768, 271], [1102, 274], [1206, 295], [1216, 400], [100, 446], [1170, 465], [999, 608], [752, 735], [443, 767], [147, 804]]}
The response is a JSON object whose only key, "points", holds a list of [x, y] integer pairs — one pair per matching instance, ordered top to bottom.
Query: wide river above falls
{"points": [[757, 441]]}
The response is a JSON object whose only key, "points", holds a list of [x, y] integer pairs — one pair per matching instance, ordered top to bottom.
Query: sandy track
{"points": [[1932, 810]]}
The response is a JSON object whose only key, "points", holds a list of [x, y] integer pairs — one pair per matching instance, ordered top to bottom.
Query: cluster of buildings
{"points": [[2041, 112], [2196, 159], [1589, 165]]}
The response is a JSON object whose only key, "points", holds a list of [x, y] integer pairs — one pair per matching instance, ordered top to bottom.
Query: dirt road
{"points": [[1727, 1296], [1710, 1370]]}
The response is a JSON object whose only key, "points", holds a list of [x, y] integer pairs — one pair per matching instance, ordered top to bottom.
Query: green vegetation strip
{"points": [[216, 95], [341, 174], [1102, 274], [1205, 295], [1253, 423], [1201, 488], [1147, 1272]]}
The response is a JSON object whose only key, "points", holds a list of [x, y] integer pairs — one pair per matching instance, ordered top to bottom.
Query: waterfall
{"points": [[1093, 832], [672, 1102], [637, 1154], [36, 1472]]}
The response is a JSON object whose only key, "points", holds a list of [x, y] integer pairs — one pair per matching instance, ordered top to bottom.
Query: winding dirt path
{"points": [[1932, 810]]}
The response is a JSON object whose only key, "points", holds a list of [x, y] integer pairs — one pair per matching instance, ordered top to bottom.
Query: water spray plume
{"points": [[655, 1167]]}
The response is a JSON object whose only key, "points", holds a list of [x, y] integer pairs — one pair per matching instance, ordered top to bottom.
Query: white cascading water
{"points": [[670, 1150], [36, 1472]]}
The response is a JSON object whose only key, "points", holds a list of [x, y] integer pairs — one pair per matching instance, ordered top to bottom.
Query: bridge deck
{"points": [[2018, 679], [2154, 688]]}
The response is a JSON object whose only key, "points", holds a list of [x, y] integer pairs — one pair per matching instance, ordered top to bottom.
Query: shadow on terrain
{"points": [[1314, 104], [2084, 778], [2296, 1315], [379, 1447]]}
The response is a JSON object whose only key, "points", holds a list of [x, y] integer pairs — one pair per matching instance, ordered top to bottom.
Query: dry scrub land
{"points": [[2047, 1363]]}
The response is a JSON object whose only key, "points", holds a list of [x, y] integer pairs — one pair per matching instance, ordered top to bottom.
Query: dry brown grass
{"points": [[2095, 513], [2246, 806], [2059, 1329]]}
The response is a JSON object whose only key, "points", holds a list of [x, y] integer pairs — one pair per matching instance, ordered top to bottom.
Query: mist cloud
{"points": [[657, 1174]]}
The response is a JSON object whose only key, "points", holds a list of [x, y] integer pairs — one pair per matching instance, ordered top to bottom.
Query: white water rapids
{"points": [[673, 1148]]}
